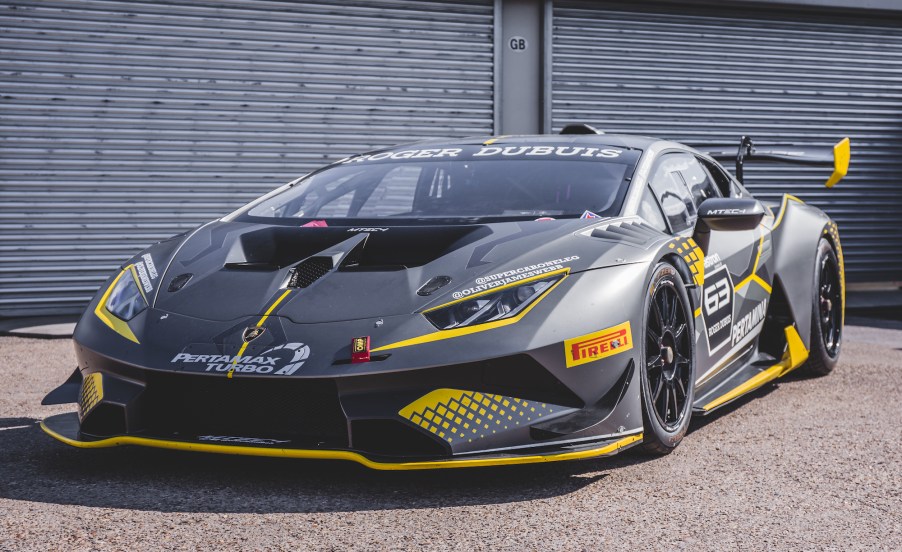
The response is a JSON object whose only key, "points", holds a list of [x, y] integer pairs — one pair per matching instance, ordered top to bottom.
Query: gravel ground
{"points": [[800, 465]]}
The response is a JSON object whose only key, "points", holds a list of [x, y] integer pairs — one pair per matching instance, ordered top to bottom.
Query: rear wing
{"points": [[837, 157]]}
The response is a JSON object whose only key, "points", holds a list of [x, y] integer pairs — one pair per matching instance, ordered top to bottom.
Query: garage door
{"points": [[706, 76], [124, 123]]}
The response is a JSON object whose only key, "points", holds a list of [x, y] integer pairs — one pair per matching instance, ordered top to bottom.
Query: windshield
{"points": [[464, 182]]}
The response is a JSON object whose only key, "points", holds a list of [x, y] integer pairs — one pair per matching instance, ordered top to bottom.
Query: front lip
{"points": [[60, 428]]}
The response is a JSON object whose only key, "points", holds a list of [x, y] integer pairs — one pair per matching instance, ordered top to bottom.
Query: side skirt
{"points": [[752, 376]]}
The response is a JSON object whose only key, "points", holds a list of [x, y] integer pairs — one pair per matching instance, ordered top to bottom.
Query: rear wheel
{"points": [[826, 313], [668, 361]]}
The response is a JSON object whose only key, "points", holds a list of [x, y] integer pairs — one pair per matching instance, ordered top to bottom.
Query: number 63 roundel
{"points": [[717, 308]]}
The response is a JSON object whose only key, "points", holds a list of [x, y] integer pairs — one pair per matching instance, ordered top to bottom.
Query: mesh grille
{"points": [[309, 271], [91, 393]]}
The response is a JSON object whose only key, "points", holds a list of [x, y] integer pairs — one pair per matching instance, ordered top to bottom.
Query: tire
{"points": [[826, 313], [666, 376]]}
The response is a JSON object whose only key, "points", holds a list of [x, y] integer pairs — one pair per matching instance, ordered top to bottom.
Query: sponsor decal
{"points": [[489, 151], [560, 151], [406, 154], [715, 212], [589, 215], [315, 224], [367, 229], [712, 259], [151, 267], [143, 276], [492, 281], [717, 308], [750, 321], [252, 333], [598, 345], [281, 360], [242, 440]]}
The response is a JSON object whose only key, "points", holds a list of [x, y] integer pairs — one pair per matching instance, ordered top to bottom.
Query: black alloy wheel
{"points": [[830, 304], [826, 312], [667, 354], [668, 376]]}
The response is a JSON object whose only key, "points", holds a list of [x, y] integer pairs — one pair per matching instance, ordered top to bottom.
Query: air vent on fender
{"points": [[631, 232], [309, 271]]}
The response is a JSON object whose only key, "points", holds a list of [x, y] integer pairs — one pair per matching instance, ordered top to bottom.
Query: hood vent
{"points": [[632, 232], [309, 271], [434, 285]]}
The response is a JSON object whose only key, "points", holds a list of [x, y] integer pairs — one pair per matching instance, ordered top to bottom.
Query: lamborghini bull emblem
{"points": [[252, 333]]}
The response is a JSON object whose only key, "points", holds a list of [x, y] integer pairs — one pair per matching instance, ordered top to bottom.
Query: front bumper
{"points": [[502, 411]]}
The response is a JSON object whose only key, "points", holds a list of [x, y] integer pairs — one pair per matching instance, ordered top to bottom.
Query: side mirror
{"points": [[729, 214]]}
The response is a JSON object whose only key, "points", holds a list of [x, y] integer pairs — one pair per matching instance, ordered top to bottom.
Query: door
{"points": [[737, 281]]}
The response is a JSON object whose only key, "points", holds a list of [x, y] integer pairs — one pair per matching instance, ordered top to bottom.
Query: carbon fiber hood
{"points": [[349, 273]]}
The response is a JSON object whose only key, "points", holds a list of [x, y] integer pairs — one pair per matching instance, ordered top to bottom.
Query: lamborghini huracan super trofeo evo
{"points": [[464, 303]]}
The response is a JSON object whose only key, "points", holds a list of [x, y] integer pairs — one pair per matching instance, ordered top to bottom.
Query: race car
{"points": [[466, 302]]}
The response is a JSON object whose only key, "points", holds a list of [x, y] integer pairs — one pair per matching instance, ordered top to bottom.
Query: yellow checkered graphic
{"points": [[694, 257], [91, 393], [464, 416]]}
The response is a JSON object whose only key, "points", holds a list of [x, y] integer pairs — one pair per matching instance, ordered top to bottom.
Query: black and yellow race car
{"points": [[463, 303]]}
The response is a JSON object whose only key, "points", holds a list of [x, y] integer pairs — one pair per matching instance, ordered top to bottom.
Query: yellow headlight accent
{"points": [[116, 324]]}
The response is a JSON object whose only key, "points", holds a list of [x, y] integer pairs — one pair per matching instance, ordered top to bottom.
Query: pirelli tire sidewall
{"points": [[657, 439]]}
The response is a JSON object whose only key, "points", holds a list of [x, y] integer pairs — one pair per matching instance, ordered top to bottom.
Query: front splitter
{"points": [[64, 428]]}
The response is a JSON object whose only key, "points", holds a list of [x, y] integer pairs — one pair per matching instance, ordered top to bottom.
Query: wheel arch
{"points": [[796, 232], [693, 282]]}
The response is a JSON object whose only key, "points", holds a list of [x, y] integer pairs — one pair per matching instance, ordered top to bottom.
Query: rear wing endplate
{"points": [[837, 157]]}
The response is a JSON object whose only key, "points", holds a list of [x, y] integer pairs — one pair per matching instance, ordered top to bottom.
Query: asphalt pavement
{"points": [[803, 464]]}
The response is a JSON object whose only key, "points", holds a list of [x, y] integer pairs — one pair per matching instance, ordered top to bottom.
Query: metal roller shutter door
{"points": [[705, 76], [124, 123]]}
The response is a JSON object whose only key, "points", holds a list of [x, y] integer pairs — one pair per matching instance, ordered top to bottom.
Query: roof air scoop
{"points": [[580, 128]]}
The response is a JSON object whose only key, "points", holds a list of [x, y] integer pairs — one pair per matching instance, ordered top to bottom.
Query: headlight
{"points": [[126, 300], [491, 305]]}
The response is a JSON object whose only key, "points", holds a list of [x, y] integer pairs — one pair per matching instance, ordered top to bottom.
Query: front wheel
{"points": [[668, 362]]}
